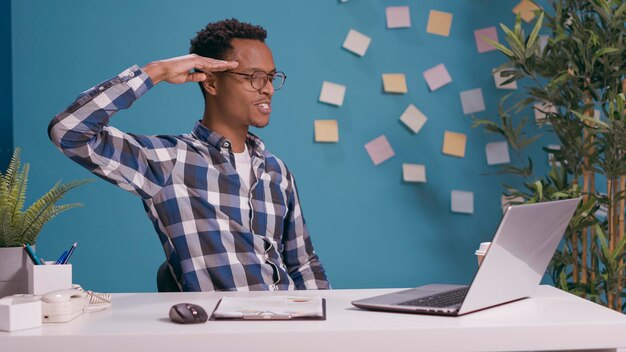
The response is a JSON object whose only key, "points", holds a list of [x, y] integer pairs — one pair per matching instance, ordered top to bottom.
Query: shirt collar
{"points": [[200, 132]]}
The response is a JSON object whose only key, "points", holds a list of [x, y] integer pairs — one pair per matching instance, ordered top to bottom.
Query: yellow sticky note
{"points": [[526, 9], [439, 23], [394, 82], [326, 131], [454, 144]]}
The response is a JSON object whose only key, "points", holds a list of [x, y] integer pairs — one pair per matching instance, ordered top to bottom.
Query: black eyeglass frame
{"points": [[267, 78]]}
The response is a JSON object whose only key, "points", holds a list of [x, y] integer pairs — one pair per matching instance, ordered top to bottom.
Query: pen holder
{"points": [[45, 278]]}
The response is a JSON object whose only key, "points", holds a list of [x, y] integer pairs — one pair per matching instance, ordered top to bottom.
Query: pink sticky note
{"points": [[398, 17], [481, 44], [437, 77], [379, 150]]}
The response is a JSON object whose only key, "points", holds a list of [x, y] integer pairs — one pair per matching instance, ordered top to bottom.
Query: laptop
{"points": [[520, 251]]}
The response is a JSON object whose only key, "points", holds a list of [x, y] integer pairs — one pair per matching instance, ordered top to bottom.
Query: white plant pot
{"points": [[13, 271]]}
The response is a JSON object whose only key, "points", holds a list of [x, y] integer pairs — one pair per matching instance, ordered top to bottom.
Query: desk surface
{"points": [[550, 320]]}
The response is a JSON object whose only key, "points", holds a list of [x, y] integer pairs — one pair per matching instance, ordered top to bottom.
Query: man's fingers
{"points": [[211, 65], [196, 77]]}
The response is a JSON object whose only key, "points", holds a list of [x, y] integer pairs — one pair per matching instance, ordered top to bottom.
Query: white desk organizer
{"points": [[45, 278], [20, 312]]}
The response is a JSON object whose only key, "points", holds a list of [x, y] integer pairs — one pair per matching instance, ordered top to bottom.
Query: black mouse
{"points": [[188, 313]]}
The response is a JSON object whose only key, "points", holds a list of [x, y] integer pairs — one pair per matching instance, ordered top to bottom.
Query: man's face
{"points": [[240, 104]]}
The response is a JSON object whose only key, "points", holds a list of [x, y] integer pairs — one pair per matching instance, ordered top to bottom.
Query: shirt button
{"points": [[132, 74], [101, 88], [226, 144]]}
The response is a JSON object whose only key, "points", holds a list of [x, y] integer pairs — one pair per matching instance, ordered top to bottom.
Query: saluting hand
{"points": [[178, 70]]}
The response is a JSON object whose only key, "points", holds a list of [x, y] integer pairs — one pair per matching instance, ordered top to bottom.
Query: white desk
{"points": [[551, 320]]}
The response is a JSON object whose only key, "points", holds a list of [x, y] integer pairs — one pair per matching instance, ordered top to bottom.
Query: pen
{"points": [[31, 254], [69, 254], [61, 258]]}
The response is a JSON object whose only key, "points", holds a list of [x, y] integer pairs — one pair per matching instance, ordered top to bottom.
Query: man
{"points": [[226, 210]]}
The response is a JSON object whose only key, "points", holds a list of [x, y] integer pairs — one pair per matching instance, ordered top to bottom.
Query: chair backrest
{"points": [[165, 280]]}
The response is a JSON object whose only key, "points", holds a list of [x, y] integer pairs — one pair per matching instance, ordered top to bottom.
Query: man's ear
{"points": [[209, 84]]}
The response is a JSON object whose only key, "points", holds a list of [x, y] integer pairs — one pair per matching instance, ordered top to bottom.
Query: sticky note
{"points": [[526, 9], [398, 17], [439, 23], [543, 41], [357, 42], [481, 44], [437, 77], [500, 79], [394, 82], [332, 93], [472, 101], [541, 109], [413, 118], [326, 131], [454, 144], [379, 150], [497, 153], [551, 158], [413, 173], [462, 202]]}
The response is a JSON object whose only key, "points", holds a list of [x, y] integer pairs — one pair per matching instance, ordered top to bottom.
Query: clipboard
{"points": [[265, 309]]}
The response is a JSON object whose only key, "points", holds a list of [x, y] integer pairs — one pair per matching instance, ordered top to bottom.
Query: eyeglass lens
{"points": [[260, 78]]}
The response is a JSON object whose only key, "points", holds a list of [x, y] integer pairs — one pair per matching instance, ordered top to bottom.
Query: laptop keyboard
{"points": [[444, 299]]}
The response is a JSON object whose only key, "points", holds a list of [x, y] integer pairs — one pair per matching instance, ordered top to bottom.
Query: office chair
{"points": [[165, 280]]}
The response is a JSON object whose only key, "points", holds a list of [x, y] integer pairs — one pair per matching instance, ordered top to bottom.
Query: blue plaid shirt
{"points": [[216, 234]]}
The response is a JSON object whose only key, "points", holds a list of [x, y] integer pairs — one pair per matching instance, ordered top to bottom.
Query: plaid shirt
{"points": [[216, 234]]}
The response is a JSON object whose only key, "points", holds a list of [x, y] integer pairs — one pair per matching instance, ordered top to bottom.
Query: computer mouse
{"points": [[188, 313]]}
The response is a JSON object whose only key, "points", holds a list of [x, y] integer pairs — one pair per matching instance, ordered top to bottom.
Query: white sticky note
{"points": [[398, 17], [543, 41], [357, 42], [437, 77], [500, 79], [332, 93], [472, 101], [541, 109], [413, 118], [379, 150], [497, 153], [551, 158], [413, 173], [462, 202]]}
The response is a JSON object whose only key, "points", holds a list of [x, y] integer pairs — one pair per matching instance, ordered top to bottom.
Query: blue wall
{"points": [[6, 98], [369, 227]]}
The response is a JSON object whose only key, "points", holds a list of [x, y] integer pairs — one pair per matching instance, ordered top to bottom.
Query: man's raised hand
{"points": [[178, 70]]}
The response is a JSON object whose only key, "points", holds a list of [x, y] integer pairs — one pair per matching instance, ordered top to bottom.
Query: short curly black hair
{"points": [[214, 40]]}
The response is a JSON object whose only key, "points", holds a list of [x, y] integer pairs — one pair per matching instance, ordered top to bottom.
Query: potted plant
{"points": [[577, 81], [19, 226]]}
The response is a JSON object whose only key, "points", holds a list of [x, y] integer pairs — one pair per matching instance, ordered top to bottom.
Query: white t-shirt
{"points": [[243, 164]]}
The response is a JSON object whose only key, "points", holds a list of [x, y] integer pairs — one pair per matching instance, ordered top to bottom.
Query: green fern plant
{"points": [[18, 226]]}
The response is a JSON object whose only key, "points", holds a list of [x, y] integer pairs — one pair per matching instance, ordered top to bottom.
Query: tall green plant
{"points": [[581, 68], [18, 226]]}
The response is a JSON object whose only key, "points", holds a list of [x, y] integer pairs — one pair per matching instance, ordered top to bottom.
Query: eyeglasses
{"points": [[258, 79]]}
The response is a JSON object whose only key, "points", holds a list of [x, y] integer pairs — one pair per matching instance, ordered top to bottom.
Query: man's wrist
{"points": [[155, 71]]}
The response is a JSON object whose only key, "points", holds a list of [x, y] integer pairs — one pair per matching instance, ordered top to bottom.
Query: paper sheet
{"points": [[526, 9], [398, 17], [439, 23], [357, 42], [482, 45], [437, 77], [499, 80], [394, 82], [332, 93], [472, 101], [413, 118], [326, 131], [454, 144], [379, 150], [497, 153], [413, 173], [462, 202], [270, 307]]}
